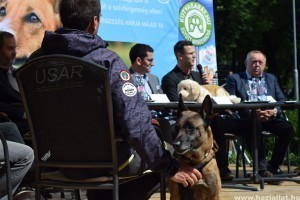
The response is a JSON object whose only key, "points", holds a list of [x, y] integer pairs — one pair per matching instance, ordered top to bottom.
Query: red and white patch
{"points": [[124, 75]]}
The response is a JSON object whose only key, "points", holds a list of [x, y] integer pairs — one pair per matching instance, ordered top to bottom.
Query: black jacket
{"points": [[171, 80]]}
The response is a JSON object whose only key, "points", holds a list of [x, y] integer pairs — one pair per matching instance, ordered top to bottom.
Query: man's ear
{"points": [[93, 26], [179, 56], [138, 60]]}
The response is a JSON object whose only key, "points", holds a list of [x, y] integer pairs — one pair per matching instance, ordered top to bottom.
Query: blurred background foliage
{"points": [[266, 25]]}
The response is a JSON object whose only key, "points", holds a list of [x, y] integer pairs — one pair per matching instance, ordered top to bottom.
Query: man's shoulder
{"points": [[35, 54], [170, 74], [152, 75], [237, 75], [269, 75]]}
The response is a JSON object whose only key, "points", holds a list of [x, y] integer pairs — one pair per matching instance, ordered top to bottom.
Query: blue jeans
{"points": [[11, 132], [21, 157]]}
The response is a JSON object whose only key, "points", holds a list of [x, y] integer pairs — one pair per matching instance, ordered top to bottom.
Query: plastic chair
{"points": [[69, 109]]}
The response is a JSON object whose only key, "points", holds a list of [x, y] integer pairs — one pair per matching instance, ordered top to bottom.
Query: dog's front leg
{"points": [[174, 190]]}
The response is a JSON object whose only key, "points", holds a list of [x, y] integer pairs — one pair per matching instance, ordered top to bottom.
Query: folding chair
{"points": [[69, 109]]}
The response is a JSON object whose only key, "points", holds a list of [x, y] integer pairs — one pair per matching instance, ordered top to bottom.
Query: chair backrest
{"points": [[69, 109]]}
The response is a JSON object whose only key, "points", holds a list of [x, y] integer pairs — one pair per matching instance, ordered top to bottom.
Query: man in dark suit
{"points": [[185, 56], [141, 57], [9, 91], [269, 120]]}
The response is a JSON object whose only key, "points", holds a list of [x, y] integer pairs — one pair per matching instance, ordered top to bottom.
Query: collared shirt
{"points": [[186, 76], [12, 79], [250, 79], [141, 80]]}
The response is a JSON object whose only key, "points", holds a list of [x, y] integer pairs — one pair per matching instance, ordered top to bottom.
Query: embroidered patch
{"points": [[124, 75], [129, 89]]}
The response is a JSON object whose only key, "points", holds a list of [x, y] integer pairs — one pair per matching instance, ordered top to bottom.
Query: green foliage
{"points": [[267, 25]]}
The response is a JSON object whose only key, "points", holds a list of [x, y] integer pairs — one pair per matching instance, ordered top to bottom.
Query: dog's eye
{"points": [[2, 11], [32, 18], [190, 128]]}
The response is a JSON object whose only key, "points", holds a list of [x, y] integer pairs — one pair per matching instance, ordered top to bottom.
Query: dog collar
{"points": [[202, 165]]}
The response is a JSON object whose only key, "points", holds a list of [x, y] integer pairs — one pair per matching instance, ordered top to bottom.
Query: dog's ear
{"points": [[181, 106], [207, 108]]}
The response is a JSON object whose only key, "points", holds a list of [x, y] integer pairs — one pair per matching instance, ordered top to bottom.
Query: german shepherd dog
{"points": [[195, 146]]}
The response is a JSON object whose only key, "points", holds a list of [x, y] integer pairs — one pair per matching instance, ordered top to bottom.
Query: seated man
{"points": [[185, 55], [141, 57], [142, 60], [9, 90], [269, 119], [20, 156]]}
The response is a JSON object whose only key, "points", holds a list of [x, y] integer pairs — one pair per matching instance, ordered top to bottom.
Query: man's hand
{"points": [[206, 79], [266, 115], [187, 175]]}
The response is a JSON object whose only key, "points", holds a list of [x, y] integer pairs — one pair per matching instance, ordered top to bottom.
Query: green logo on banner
{"points": [[195, 23]]}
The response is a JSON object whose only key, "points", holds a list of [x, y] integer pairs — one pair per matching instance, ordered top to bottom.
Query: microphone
{"points": [[200, 69]]}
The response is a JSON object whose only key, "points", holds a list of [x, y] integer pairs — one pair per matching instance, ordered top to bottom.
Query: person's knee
{"points": [[28, 154]]}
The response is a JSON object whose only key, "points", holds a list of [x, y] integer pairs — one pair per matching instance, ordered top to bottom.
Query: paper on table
{"points": [[159, 98], [271, 99], [222, 100]]}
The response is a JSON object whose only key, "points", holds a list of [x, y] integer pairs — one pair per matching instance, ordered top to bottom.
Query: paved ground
{"points": [[286, 191]]}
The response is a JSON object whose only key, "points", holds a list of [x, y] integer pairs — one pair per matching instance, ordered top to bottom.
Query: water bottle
{"points": [[215, 79], [253, 88], [262, 90]]}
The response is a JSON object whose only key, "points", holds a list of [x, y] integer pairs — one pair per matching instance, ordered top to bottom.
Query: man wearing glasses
{"points": [[141, 57]]}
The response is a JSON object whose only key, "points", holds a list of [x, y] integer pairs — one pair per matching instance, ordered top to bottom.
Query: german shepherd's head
{"points": [[28, 20], [195, 138]]}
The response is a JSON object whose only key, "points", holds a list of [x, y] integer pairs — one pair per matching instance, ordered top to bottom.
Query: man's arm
{"points": [[231, 85], [169, 86], [279, 96], [13, 112], [133, 121]]}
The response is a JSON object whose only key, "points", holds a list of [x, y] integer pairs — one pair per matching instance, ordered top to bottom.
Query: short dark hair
{"points": [[78, 14], [3, 35], [179, 46], [139, 50]]}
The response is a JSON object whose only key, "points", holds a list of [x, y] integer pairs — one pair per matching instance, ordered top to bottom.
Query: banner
{"points": [[152, 22], [123, 23], [196, 24]]}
